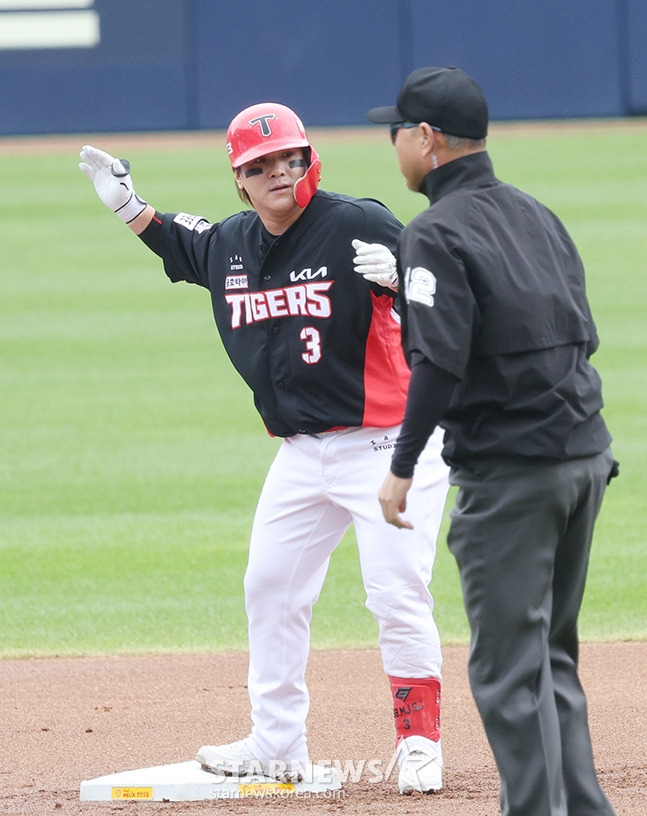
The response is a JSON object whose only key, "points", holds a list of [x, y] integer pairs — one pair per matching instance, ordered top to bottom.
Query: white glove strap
{"points": [[135, 205], [131, 209]]}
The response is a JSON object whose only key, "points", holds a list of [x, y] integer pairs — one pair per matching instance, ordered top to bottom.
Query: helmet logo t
{"points": [[264, 123]]}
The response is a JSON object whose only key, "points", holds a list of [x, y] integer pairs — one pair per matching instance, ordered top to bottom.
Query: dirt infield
{"points": [[69, 719]]}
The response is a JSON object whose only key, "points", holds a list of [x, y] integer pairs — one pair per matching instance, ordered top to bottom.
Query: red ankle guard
{"points": [[416, 707]]}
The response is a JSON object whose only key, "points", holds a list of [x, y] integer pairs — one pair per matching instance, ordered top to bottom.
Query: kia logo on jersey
{"points": [[308, 274]]}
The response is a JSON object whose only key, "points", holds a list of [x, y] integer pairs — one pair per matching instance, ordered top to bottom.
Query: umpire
{"points": [[498, 332]]}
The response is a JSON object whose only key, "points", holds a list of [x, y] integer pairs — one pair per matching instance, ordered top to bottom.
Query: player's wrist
{"points": [[147, 225]]}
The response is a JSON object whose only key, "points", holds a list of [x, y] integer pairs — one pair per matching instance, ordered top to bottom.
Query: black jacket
{"points": [[495, 297]]}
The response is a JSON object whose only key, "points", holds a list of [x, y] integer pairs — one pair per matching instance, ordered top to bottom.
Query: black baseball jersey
{"points": [[495, 295], [318, 344]]}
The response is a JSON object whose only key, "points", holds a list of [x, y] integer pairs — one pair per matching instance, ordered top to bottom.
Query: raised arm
{"points": [[114, 186]]}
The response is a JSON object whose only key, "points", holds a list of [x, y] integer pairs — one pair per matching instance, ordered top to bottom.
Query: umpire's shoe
{"points": [[421, 765]]}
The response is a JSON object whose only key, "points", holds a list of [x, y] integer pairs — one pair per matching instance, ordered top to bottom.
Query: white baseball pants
{"points": [[315, 488]]}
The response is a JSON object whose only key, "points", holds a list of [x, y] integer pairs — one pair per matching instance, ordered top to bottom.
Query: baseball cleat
{"points": [[238, 759], [421, 766]]}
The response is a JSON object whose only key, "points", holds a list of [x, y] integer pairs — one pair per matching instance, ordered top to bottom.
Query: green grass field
{"points": [[132, 456]]}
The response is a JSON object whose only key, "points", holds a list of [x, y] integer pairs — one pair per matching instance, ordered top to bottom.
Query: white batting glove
{"points": [[111, 179], [376, 262]]}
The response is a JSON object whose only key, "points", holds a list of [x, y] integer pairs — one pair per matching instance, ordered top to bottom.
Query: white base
{"points": [[187, 782]]}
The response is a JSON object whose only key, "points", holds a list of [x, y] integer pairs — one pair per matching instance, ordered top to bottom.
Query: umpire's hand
{"points": [[393, 498]]}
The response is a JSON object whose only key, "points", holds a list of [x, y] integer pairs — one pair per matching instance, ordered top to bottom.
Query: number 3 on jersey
{"points": [[312, 338]]}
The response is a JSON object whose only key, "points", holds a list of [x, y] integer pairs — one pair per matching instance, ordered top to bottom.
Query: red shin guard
{"points": [[416, 707]]}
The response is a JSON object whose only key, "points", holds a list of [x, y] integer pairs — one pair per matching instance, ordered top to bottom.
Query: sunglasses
{"points": [[404, 126]]}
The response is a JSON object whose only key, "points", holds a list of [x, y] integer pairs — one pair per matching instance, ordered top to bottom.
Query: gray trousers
{"points": [[521, 534]]}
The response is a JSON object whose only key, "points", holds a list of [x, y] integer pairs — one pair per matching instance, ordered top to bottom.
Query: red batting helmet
{"points": [[264, 128]]}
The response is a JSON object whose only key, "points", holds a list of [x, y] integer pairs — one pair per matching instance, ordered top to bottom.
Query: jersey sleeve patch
{"points": [[197, 223], [420, 285]]}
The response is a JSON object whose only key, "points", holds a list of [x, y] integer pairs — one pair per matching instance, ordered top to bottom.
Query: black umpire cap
{"points": [[447, 98]]}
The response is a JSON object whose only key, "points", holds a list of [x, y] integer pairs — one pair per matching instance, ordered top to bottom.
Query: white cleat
{"points": [[238, 759], [421, 765]]}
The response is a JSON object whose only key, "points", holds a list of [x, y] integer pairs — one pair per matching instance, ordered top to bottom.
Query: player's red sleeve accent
{"points": [[386, 374]]}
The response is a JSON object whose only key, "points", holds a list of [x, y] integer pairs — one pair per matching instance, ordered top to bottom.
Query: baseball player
{"points": [[319, 346]]}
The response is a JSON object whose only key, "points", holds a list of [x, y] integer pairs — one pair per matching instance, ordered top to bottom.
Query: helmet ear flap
{"points": [[307, 185]]}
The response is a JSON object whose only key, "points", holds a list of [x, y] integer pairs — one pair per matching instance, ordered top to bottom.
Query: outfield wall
{"points": [[132, 65]]}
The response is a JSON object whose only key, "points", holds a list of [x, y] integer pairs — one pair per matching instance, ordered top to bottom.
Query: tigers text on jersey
{"points": [[318, 344]]}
